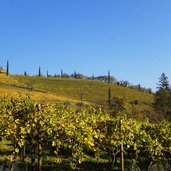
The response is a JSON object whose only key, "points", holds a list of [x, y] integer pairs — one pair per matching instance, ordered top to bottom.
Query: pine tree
{"points": [[7, 70], [163, 83], [162, 102]]}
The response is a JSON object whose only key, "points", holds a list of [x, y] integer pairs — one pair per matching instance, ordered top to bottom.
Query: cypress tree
{"points": [[7, 70], [40, 72], [25, 73], [47, 73], [62, 74], [75, 74], [109, 76], [93, 77]]}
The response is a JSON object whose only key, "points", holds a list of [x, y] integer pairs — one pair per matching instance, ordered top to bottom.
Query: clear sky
{"points": [[131, 38]]}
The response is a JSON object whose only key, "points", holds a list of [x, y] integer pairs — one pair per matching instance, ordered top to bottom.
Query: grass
{"points": [[10, 87], [54, 89], [90, 90], [49, 163]]}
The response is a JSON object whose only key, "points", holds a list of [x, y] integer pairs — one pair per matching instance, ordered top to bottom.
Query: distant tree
{"points": [[1, 68], [7, 70], [25, 73], [47, 73], [62, 73], [39, 74], [75, 74], [56, 75], [65, 75], [80, 76], [92, 76], [108, 76], [105, 78], [124, 83], [163, 83], [139, 87], [149, 90], [162, 102]]}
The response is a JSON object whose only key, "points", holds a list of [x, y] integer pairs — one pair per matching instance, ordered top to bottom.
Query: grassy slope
{"points": [[11, 87], [63, 89], [91, 91]]}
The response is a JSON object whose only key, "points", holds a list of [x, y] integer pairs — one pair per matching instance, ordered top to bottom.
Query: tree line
{"points": [[108, 78]]}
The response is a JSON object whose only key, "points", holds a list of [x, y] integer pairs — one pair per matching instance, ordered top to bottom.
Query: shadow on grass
{"points": [[85, 166]]}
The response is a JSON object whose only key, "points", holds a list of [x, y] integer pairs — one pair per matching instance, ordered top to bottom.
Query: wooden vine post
{"points": [[122, 147]]}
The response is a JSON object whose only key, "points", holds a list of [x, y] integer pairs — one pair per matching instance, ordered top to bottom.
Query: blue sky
{"points": [[131, 38]]}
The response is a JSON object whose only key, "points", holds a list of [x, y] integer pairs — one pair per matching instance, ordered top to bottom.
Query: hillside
{"points": [[11, 87], [72, 89]]}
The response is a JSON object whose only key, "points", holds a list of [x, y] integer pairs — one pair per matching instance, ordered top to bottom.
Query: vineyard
{"points": [[84, 85], [11, 87], [73, 91], [92, 91], [62, 137]]}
